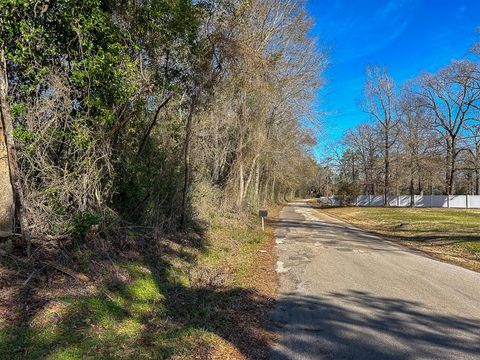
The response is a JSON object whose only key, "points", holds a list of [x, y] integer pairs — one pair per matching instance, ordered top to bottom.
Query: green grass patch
{"points": [[409, 221], [449, 234], [471, 246], [155, 312], [102, 326]]}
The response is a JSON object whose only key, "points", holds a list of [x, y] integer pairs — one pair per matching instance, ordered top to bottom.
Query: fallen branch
{"points": [[65, 270], [25, 283]]}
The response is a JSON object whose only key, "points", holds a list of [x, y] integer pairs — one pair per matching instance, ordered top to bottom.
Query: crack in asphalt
{"points": [[346, 294]]}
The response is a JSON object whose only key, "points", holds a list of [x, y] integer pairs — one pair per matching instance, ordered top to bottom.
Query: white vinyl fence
{"points": [[421, 201]]}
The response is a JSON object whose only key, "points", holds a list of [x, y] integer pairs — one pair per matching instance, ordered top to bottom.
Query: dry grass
{"points": [[451, 235], [252, 267], [205, 296]]}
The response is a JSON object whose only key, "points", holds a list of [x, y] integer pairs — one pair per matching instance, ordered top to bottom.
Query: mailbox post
{"points": [[263, 214]]}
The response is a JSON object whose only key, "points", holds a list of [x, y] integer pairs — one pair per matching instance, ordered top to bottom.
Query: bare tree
{"points": [[476, 47], [449, 97], [379, 103], [363, 139], [417, 148], [472, 158]]}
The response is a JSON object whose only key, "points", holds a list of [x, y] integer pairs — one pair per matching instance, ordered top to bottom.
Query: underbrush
{"points": [[180, 297]]}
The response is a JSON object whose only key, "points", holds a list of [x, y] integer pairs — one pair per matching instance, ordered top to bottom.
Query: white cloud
{"points": [[375, 43]]}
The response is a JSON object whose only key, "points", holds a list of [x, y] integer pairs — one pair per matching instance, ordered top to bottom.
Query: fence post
{"points": [[369, 200], [398, 200], [448, 201], [466, 201]]}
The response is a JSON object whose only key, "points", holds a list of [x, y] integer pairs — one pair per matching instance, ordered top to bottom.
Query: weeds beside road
{"points": [[451, 235], [203, 296]]}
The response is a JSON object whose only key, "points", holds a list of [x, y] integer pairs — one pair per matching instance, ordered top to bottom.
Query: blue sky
{"points": [[408, 36]]}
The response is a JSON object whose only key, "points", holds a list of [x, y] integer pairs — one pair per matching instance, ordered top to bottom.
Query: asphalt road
{"points": [[346, 294]]}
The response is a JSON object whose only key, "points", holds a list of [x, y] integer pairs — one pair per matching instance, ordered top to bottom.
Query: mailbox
{"points": [[263, 213]]}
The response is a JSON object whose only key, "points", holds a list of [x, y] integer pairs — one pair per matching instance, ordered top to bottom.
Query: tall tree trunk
{"points": [[152, 124], [9, 141], [453, 158], [186, 161], [216, 161], [447, 168], [387, 169], [477, 169], [353, 170], [241, 175], [250, 176], [469, 176], [477, 182], [366, 184], [257, 185], [241, 186], [273, 190], [412, 191], [265, 193], [7, 207]]}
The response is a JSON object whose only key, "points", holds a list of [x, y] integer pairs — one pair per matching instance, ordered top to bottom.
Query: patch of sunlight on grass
{"points": [[414, 220], [449, 234], [256, 239], [471, 246], [214, 255], [137, 269], [177, 276], [143, 286], [144, 289], [118, 298], [139, 309], [100, 311], [130, 317], [108, 325], [129, 327], [45, 334], [69, 353]]}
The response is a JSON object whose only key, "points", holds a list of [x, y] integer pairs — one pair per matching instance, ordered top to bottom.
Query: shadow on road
{"points": [[335, 234], [359, 325]]}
